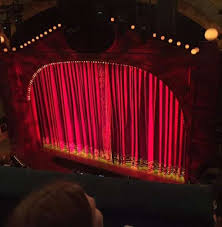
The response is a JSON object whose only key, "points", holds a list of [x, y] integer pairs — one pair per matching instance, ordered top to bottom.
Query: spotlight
{"points": [[112, 19], [59, 25], [54, 27], [133, 27], [50, 30], [45, 33], [211, 34], [41, 35], [154, 35], [37, 37], [162, 37], [2, 39], [33, 40], [170, 41], [29, 42], [178, 43], [25, 44], [21, 46], [187, 46], [13, 49], [5, 50]]}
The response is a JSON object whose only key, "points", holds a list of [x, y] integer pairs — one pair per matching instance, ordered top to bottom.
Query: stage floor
{"points": [[47, 159], [69, 162]]}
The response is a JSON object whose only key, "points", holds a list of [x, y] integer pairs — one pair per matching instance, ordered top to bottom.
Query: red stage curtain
{"points": [[112, 112]]}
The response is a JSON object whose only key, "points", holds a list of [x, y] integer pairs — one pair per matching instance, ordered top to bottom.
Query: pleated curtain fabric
{"points": [[111, 112]]}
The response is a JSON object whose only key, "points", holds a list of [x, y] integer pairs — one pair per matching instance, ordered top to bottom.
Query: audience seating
{"points": [[122, 201]]}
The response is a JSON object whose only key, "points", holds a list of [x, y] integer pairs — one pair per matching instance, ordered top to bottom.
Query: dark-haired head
{"points": [[61, 204]]}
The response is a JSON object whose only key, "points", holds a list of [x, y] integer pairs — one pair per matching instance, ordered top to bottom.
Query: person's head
{"points": [[61, 204]]}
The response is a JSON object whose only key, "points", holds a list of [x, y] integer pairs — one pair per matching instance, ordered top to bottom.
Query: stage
{"points": [[136, 109]]}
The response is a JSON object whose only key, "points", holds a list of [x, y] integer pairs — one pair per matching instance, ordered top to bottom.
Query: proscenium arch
{"points": [[100, 62], [29, 89], [169, 108]]}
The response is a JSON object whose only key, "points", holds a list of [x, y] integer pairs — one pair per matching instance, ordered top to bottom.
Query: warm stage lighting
{"points": [[112, 19], [59, 25], [54, 27], [133, 27], [50, 30], [45, 33], [211, 34], [41, 35], [154, 35], [37, 37], [162, 37], [2, 39], [33, 40], [170, 40], [29, 42], [178, 43], [25, 44], [21, 46], [187, 46], [13, 49], [197, 49], [5, 50], [193, 51]]}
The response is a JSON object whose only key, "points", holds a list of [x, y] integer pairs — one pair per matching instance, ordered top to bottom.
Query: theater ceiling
{"points": [[207, 13]]}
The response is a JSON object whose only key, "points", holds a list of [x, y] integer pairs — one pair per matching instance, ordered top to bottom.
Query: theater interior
{"points": [[121, 96]]}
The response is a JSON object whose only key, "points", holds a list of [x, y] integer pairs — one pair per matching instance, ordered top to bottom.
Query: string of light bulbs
{"points": [[29, 42], [187, 46], [193, 51]]}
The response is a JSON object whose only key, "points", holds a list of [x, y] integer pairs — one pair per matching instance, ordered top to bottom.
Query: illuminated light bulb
{"points": [[112, 19], [59, 25], [54, 27], [133, 27], [50, 30], [45, 33], [211, 34], [41, 35], [154, 35], [37, 37], [162, 37], [2, 39], [33, 40], [170, 41], [29, 42], [178, 43], [25, 44], [21, 46], [187, 46], [13, 49], [197, 49], [5, 50], [193, 51]]}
